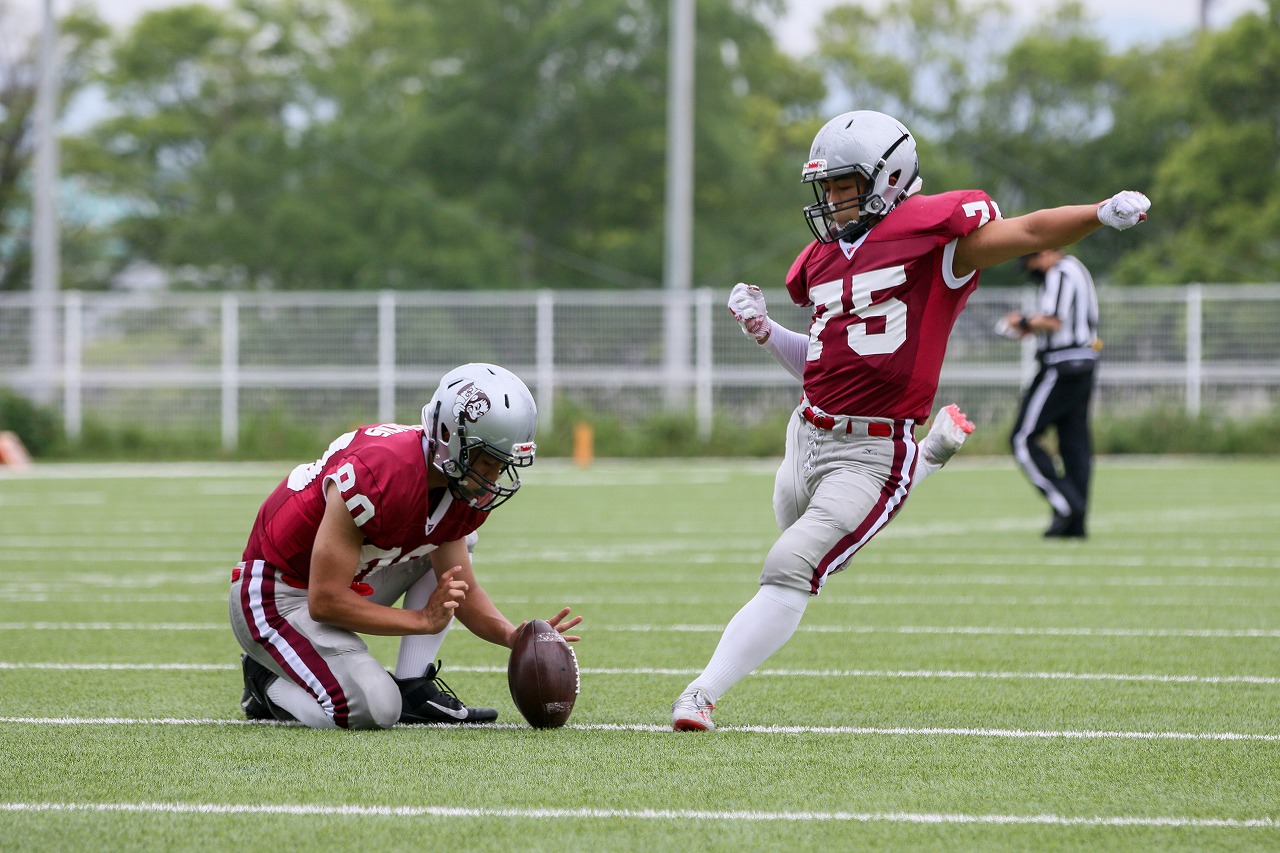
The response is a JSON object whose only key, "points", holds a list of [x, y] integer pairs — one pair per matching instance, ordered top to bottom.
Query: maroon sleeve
{"points": [[972, 210], [797, 282], [364, 482]]}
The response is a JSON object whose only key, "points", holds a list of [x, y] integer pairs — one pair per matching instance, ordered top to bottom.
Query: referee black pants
{"points": [[1058, 397]]}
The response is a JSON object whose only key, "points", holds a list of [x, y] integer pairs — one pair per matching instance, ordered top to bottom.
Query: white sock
{"points": [[760, 628], [418, 651], [300, 703]]}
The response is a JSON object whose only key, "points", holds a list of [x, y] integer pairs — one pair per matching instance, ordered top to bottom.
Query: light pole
{"points": [[678, 254], [45, 270]]}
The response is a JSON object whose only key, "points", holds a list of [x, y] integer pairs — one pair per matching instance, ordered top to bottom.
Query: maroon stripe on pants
{"points": [[852, 542], [317, 669]]}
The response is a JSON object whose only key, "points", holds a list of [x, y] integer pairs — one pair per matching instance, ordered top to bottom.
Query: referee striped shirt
{"points": [[1068, 294]]}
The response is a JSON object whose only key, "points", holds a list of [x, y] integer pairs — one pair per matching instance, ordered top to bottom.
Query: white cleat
{"points": [[946, 436], [692, 712]]}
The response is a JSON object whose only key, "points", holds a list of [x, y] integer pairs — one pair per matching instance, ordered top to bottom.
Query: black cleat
{"points": [[254, 700], [429, 700]]}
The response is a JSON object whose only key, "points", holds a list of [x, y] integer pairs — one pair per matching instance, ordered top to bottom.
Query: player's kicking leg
{"points": [[945, 438]]}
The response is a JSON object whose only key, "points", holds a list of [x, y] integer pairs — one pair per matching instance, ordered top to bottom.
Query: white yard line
{"points": [[136, 470], [124, 553], [736, 560], [1091, 581], [66, 594], [44, 597], [113, 626], [974, 630], [980, 630], [130, 667], [1150, 678], [875, 731], [672, 815]]}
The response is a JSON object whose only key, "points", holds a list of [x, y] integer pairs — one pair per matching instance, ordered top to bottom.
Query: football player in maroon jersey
{"points": [[887, 275], [950, 428], [386, 511]]}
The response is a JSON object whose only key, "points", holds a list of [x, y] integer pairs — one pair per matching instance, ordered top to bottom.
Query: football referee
{"points": [[1065, 325]]}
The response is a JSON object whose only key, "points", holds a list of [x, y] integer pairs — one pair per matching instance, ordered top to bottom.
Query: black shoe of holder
{"points": [[254, 700], [429, 700]]}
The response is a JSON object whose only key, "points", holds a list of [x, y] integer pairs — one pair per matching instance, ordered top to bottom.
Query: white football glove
{"points": [[1124, 210], [746, 304], [1005, 329]]}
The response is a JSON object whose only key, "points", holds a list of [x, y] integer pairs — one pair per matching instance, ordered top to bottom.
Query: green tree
{"points": [[80, 34], [921, 61], [1051, 116], [1044, 134], [320, 143], [199, 149], [1218, 176]]}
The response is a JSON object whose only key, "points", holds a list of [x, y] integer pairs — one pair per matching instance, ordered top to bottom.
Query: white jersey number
{"points": [[860, 297], [301, 477], [345, 477]]}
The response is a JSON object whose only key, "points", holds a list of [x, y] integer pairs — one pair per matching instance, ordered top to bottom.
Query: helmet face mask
{"points": [[867, 144], [480, 423], [486, 480]]}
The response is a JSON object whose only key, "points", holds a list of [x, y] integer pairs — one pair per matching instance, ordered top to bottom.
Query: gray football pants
{"points": [[834, 491], [272, 623]]}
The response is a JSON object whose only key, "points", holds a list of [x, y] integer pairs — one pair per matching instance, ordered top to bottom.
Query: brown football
{"points": [[543, 675]]}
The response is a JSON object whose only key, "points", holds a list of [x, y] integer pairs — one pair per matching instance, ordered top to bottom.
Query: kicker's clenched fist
{"points": [[1124, 210], [746, 304]]}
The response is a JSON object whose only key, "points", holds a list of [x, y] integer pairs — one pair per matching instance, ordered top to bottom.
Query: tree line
{"points": [[371, 144]]}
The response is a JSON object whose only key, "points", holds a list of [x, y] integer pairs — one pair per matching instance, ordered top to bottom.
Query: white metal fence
{"points": [[195, 361]]}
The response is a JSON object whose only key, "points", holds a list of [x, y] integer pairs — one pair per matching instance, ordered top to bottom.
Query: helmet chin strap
{"points": [[854, 230], [455, 489]]}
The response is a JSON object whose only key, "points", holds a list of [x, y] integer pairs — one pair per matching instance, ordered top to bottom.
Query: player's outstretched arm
{"points": [[1003, 240]]}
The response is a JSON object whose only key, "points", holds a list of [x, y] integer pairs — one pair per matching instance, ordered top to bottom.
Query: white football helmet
{"points": [[867, 143], [481, 408]]}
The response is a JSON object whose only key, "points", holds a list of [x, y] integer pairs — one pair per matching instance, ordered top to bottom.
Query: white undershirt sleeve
{"points": [[788, 348]]}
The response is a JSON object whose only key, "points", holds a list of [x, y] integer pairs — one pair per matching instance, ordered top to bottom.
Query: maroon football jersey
{"points": [[884, 308], [381, 471]]}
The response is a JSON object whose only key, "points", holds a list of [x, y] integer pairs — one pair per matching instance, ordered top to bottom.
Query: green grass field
{"points": [[964, 685]]}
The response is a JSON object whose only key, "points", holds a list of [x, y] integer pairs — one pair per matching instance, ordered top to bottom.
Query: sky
{"points": [[1124, 22]]}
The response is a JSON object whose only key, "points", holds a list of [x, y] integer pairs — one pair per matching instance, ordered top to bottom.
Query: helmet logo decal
{"points": [[814, 167], [471, 403]]}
